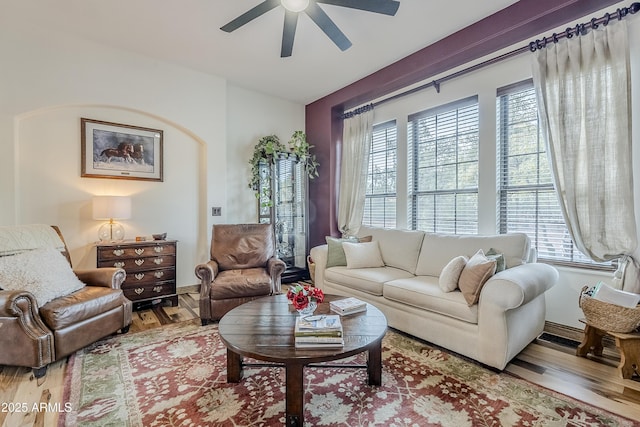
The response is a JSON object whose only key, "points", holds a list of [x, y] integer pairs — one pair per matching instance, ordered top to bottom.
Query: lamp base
{"points": [[111, 232]]}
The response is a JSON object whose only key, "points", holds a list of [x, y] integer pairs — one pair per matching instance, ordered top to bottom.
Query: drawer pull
{"points": [[158, 249], [139, 251], [118, 252], [158, 261], [139, 262], [118, 264], [158, 274], [139, 276], [157, 289], [138, 291]]}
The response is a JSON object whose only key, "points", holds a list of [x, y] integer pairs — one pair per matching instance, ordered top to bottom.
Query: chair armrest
{"points": [[276, 267], [206, 272], [106, 277], [518, 285]]}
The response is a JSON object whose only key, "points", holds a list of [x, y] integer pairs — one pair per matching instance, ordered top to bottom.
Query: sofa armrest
{"points": [[319, 256], [276, 267], [106, 277], [518, 285], [26, 340]]}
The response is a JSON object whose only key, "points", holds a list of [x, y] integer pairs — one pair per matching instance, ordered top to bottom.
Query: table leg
{"points": [[592, 341], [629, 356], [374, 363], [234, 367], [294, 395]]}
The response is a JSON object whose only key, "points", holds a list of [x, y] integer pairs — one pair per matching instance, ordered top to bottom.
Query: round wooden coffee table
{"points": [[263, 329]]}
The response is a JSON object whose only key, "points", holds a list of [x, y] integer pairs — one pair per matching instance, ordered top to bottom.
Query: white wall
{"points": [[48, 81], [250, 117], [562, 300]]}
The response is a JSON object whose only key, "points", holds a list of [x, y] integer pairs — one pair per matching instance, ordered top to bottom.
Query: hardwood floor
{"points": [[593, 380]]}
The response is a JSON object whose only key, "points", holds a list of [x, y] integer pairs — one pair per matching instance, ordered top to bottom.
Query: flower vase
{"points": [[310, 308]]}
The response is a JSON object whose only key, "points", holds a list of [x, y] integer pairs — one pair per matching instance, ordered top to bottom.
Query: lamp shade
{"points": [[111, 207]]}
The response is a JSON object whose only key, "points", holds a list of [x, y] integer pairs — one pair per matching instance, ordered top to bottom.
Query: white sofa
{"points": [[511, 308]]}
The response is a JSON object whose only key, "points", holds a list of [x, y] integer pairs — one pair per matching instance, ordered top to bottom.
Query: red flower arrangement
{"points": [[300, 296]]}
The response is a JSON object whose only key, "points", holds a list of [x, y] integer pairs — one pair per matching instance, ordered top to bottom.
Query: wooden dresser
{"points": [[150, 267]]}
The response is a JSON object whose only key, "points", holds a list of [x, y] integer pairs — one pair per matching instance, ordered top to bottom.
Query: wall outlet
{"points": [[216, 211]]}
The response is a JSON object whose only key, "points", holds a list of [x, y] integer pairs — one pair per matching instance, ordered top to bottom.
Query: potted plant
{"points": [[269, 148]]}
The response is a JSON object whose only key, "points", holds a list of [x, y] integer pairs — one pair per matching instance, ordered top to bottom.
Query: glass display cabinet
{"points": [[282, 201]]}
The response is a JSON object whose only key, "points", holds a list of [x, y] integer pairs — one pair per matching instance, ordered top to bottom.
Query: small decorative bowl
{"points": [[160, 236]]}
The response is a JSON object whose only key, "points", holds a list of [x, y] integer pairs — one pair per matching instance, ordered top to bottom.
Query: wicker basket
{"points": [[312, 269], [608, 317]]}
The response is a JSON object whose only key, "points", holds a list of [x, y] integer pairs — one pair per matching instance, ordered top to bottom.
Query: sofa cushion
{"points": [[399, 248], [438, 249], [335, 252], [493, 254], [363, 255], [478, 270], [45, 273], [450, 274], [369, 280], [424, 292], [86, 303]]}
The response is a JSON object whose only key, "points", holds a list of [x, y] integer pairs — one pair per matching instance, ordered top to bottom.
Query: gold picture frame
{"points": [[119, 151]]}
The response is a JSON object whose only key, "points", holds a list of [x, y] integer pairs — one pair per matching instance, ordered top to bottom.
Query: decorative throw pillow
{"points": [[335, 253], [494, 254], [363, 255], [478, 270], [45, 273], [450, 274]]}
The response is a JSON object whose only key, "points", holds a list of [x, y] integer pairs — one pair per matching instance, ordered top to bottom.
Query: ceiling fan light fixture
{"points": [[295, 5]]}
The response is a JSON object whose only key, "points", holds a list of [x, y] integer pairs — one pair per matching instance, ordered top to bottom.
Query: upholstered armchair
{"points": [[243, 267], [47, 310]]}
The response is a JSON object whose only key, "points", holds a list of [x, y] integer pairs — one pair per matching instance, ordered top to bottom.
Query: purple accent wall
{"points": [[523, 21]]}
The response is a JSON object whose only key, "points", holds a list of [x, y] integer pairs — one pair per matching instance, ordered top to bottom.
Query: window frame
{"points": [[414, 167], [504, 189], [369, 197]]}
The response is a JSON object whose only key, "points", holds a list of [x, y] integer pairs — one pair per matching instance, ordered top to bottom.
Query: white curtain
{"points": [[584, 98], [356, 142]]}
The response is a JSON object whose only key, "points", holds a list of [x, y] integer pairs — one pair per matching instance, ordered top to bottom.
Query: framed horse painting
{"points": [[117, 151]]}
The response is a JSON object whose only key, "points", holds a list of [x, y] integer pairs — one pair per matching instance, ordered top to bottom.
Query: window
{"points": [[444, 168], [527, 200], [380, 201]]}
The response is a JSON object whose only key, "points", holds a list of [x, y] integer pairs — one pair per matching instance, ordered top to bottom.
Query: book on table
{"points": [[349, 305], [323, 331]]}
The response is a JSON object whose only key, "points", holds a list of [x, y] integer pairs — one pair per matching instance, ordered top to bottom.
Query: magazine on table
{"points": [[323, 322]]}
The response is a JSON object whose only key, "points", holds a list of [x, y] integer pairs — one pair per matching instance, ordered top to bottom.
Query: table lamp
{"points": [[110, 208]]}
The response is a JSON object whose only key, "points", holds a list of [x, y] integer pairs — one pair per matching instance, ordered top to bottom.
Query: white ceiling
{"points": [[187, 32]]}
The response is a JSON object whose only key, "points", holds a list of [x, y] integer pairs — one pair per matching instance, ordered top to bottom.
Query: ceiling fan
{"points": [[312, 8]]}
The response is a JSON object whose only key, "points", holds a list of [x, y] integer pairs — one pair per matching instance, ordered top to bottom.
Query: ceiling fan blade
{"points": [[386, 7], [250, 15], [329, 27], [288, 33]]}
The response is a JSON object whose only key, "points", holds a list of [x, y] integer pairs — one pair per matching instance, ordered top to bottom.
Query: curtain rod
{"points": [[578, 30]]}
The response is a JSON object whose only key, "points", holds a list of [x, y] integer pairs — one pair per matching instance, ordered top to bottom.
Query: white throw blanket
{"points": [[19, 238]]}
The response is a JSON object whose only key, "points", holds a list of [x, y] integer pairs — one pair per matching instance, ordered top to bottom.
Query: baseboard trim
{"points": [[572, 333]]}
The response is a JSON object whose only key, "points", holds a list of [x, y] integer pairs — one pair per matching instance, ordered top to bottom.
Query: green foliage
{"points": [[269, 147]]}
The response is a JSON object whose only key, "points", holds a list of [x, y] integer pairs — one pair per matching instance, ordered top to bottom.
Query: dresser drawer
{"points": [[123, 252], [140, 263], [136, 278], [149, 290]]}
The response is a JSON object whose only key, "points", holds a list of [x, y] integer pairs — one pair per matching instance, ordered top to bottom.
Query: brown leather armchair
{"points": [[243, 267], [33, 336]]}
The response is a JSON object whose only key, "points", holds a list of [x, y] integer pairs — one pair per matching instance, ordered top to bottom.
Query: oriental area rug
{"points": [[176, 376]]}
